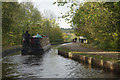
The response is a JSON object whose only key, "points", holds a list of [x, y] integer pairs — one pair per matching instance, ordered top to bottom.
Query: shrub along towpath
{"points": [[99, 58]]}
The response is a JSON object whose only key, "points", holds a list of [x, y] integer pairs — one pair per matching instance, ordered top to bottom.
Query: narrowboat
{"points": [[36, 46]]}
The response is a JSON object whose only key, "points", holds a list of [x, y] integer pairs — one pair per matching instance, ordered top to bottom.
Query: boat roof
{"points": [[81, 37]]}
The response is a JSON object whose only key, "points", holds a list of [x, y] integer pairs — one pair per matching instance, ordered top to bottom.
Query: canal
{"points": [[48, 65]]}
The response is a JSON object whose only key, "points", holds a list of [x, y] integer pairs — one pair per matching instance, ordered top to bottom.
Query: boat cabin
{"points": [[82, 39], [36, 45]]}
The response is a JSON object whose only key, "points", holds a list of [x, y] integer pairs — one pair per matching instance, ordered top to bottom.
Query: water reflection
{"points": [[33, 60], [49, 65]]}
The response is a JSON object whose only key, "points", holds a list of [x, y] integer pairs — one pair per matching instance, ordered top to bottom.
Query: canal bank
{"points": [[10, 50], [105, 60]]}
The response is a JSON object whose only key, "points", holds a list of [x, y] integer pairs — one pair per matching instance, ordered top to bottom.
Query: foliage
{"points": [[17, 18], [99, 22], [68, 30], [68, 34], [56, 35], [68, 37]]}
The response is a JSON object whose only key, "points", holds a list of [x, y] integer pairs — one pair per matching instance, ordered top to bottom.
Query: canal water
{"points": [[48, 65]]}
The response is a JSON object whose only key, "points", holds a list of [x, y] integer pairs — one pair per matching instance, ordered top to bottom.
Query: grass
{"points": [[56, 43], [90, 46], [99, 47], [64, 49], [88, 55], [100, 57], [118, 61]]}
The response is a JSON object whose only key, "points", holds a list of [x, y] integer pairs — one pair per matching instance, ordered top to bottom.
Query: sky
{"points": [[47, 7]]}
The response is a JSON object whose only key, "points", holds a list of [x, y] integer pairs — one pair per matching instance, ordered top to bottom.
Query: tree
{"points": [[16, 18], [99, 22]]}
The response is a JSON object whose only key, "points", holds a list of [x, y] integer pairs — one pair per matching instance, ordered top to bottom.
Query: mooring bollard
{"points": [[70, 55], [82, 58], [88, 60], [97, 62], [107, 65]]}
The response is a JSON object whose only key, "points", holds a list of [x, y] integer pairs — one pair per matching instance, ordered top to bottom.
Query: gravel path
{"points": [[78, 47]]}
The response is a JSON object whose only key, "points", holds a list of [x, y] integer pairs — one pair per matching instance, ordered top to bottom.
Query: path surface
{"points": [[78, 47]]}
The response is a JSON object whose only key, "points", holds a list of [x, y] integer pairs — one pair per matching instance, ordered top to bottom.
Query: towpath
{"points": [[78, 47]]}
